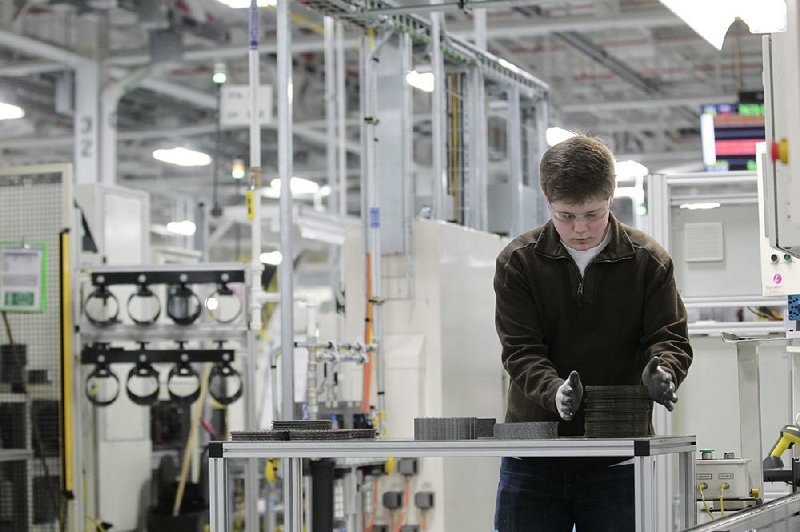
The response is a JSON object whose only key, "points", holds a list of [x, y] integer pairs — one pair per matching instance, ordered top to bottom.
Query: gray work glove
{"points": [[659, 384], [568, 396]]}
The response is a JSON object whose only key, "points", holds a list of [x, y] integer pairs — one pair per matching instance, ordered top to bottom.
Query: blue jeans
{"points": [[534, 499]]}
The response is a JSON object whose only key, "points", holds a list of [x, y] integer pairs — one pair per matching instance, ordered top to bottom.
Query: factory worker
{"points": [[581, 300]]}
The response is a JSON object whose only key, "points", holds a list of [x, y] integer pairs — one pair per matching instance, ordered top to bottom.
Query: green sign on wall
{"points": [[23, 279]]}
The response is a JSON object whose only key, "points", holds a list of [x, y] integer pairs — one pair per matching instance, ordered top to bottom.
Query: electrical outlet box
{"points": [[407, 466], [716, 471], [393, 499], [423, 500]]}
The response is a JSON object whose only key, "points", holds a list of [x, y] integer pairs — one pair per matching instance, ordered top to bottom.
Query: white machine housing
{"points": [[782, 121], [442, 357], [715, 472]]}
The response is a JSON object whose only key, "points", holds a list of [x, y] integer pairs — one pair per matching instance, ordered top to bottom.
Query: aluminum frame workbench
{"points": [[642, 450]]}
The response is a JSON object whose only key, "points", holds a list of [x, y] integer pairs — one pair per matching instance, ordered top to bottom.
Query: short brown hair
{"points": [[577, 170]]}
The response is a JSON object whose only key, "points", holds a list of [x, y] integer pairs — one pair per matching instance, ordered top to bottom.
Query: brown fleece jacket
{"points": [[624, 311]]}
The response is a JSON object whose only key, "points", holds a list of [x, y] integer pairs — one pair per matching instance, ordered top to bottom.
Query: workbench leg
{"points": [[686, 479], [644, 488], [218, 494], [293, 494]]}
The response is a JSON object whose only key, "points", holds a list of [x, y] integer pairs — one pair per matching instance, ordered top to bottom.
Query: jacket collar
{"points": [[619, 247]]}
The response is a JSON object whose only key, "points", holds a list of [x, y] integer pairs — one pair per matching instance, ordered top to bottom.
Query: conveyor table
{"points": [[642, 450]]}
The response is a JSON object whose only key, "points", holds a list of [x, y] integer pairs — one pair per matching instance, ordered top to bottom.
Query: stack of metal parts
{"points": [[617, 411], [452, 428], [304, 430], [535, 430]]}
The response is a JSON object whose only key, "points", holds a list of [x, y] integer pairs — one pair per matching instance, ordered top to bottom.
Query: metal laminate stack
{"points": [[617, 411], [452, 428], [304, 430], [534, 430]]}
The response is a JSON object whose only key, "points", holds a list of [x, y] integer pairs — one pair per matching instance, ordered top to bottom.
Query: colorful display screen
{"points": [[729, 134]]}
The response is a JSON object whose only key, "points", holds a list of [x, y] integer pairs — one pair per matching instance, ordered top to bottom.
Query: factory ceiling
{"points": [[627, 70]]}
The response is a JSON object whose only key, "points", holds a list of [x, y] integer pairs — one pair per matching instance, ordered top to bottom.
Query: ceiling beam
{"points": [[526, 28], [299, 46], [34, 47], [16, 70], [621, 105], [300, 129], [664, 156]]}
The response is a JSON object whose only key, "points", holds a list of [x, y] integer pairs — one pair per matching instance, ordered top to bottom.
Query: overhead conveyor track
{"points": [[373, 14]]}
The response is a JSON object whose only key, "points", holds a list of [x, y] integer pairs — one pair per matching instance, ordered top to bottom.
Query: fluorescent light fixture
{"points": [[243, 4], [764, 16], [712, 18], [511, 66], [220, 75], [423, 81], [10, 112], [556, 135], [182, 157], [630, 170], [300, 187], [697, 206], [184, 228], [272, 258]]}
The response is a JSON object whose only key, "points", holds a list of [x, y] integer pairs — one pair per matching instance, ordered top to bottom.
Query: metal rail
{"points": [[381, 13], [642, 450], [784, 512]]}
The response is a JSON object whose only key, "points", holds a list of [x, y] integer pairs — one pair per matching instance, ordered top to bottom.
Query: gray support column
{"points": [[479, 24], [341, 107], [87, 122], [108, 134], [514, 143], [539, 146], [334, 178], [476, 186], [441, 208], [286, 268], [750, 411], [686, 480], [218, 483], [644, 489]]}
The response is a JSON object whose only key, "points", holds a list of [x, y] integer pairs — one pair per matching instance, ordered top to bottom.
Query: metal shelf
{"points": [[166, 332], [12, 397], [561, 447], [642, 450], [15, 455]]}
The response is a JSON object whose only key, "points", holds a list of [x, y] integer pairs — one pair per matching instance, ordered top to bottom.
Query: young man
{"points": [[581, 300]]}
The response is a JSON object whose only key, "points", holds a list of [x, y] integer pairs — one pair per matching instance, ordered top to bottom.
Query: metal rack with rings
{"points": [[155, 327]]}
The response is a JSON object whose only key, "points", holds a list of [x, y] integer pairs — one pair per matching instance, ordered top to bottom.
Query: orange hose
{"points": [[366, 388], [405, 504], [374, 505]]}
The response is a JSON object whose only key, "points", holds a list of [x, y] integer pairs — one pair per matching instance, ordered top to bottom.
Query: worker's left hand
{"points": [[659, 384]]}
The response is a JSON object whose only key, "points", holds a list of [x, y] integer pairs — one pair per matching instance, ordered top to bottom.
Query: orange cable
{"points": [[367, 380], [374, 504]]}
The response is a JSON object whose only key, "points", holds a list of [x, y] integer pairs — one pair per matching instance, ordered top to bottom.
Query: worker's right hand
{"points": [[569, 396]]}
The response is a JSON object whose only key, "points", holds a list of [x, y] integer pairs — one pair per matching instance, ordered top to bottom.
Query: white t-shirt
{"points": [[583, 257]]}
